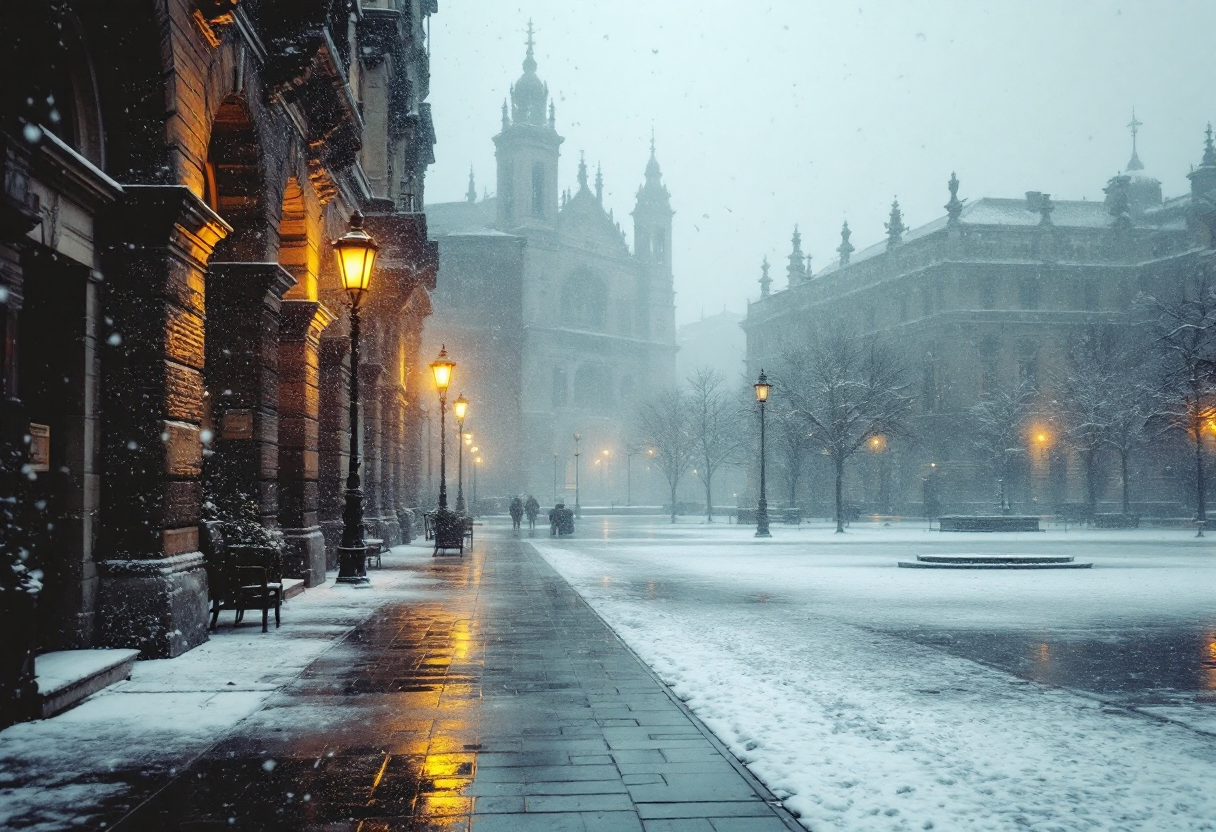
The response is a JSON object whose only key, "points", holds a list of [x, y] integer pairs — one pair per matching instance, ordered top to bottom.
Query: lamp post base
{"points": [[762, 520], [352, 566]]}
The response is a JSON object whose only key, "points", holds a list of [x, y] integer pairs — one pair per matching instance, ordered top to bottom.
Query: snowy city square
{"points": [[629, 416]]}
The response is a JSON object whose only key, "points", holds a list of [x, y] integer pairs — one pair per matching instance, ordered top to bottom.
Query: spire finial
{"points": [[529, 60], [552, 114], [506, 120], [1134, 125], [652, 141], [1209, 150], [582, 172], [599, 184], [471, 195], [954, 208], [895, 226], [845, 249], [796, 270], [765, 280]]}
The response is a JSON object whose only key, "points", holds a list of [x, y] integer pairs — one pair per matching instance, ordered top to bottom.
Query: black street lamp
{"points": [[356, 253], [762, 388], [460, 409], [555, 478], [577, 507], [449, 532]]}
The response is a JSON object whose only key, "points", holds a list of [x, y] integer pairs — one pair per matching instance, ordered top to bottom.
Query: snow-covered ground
{"points": [[805, 655], [59, 773]]}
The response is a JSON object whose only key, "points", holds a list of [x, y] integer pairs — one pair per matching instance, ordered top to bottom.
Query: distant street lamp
{"points": [[356, 254], [762, 390], [460, 409], [476, 464], [555, 478], [577, 507], [449, 533]]}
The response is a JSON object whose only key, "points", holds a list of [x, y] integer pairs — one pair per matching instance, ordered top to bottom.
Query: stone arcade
{"points": [[174, 171]]}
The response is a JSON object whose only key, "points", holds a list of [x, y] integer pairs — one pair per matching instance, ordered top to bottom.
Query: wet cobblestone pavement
{"points": [[504, 703]]}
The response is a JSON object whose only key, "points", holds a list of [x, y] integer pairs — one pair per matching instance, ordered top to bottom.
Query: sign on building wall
{"points": [[40, 447]]}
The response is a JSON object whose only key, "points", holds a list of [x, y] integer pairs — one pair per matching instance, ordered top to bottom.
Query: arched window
{"points": [[584, 301], [593, 385]]}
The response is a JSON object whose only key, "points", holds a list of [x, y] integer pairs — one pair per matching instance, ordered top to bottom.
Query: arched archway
{"points": [[234, 185], [584, 300]]}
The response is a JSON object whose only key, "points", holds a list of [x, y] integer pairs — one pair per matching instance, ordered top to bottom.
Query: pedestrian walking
{"points": [[532, 507], [517, 512], [556, 515]]}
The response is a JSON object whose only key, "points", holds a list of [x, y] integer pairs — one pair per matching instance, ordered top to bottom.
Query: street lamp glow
{"points": [[356, 253], [441, 370], [762, 387], [460, 407]]}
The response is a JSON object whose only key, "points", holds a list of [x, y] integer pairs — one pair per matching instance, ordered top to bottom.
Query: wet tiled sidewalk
{"points": [[503, 703]]}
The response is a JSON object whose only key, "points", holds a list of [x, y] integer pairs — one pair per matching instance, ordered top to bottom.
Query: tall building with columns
{"points": [[984, 299], [559, 326]]}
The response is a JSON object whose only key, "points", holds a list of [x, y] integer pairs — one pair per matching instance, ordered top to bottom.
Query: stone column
{"points": [[303, 321], [243, 324], [369, 409], [390, 413], [334, 441], [153, 593]]}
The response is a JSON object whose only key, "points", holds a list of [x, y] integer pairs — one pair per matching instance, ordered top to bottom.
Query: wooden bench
{"points": [[987, 523], [375, 547]]}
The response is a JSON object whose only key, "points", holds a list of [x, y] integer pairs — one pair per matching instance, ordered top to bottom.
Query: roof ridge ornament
{"points": [[954, 208], [895, 226], [845, 249]]}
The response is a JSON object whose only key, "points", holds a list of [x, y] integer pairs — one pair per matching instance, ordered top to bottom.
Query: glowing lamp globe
{"points": [[356, 253], [441, 369], [762, 387], [460, 407]]}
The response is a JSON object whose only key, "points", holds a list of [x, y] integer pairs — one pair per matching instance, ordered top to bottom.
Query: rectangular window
{"points": [[1028, 293], [987, 294]]}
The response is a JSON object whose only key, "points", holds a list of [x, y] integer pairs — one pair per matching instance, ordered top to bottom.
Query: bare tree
{"points": [[1186, 344], [849, 390], [1106, 403], [996, 425], [663, 427], [715, 427], [791, 445]]}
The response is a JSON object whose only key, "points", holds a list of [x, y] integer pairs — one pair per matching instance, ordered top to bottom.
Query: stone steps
{"points": [[66, 677]]}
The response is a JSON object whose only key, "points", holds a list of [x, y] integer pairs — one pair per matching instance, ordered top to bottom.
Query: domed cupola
{"points": [[530, 95]]}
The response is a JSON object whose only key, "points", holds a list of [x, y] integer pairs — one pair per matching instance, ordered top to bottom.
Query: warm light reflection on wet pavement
{"points": [[501, 703]]}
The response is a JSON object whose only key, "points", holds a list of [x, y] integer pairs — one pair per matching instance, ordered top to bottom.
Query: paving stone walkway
{"points": [[503, 703]]}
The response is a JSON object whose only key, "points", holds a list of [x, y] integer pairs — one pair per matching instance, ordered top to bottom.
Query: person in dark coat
{"points": [[532, 508], [517, 512], [555, 518]]}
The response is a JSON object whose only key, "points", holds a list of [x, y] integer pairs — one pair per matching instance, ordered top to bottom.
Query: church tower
{"points": [[527, 151], [652, 246]]}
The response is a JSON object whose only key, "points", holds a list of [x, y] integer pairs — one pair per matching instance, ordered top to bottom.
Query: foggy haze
{"points": [[767, 115]]}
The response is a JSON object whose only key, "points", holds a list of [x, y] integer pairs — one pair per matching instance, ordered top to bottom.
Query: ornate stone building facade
{"points": [[987, 297], [559, 326], [173, 328]]}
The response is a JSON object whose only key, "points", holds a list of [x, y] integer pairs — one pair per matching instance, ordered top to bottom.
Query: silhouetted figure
{"points": [[532, 508], [517, 512]]}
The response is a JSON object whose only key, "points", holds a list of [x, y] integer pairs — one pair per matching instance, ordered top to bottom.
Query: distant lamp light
{"points": [[356, 253], [460, 407]]}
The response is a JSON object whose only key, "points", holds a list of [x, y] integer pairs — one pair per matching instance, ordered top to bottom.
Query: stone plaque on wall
{"points": [[237, 424], [40, 447]]}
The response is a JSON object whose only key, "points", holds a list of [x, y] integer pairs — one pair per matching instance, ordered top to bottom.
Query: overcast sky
{"points": [[768, 114]]}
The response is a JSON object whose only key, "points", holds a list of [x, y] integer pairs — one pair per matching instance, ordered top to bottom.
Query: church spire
{"points": [[530, 95], [506, 119], [1134, 125], [1209, 150], [582, 172], [599, 184], [471, 194], [895, 226], [845, 249], [796, 270], [765, 280]]}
